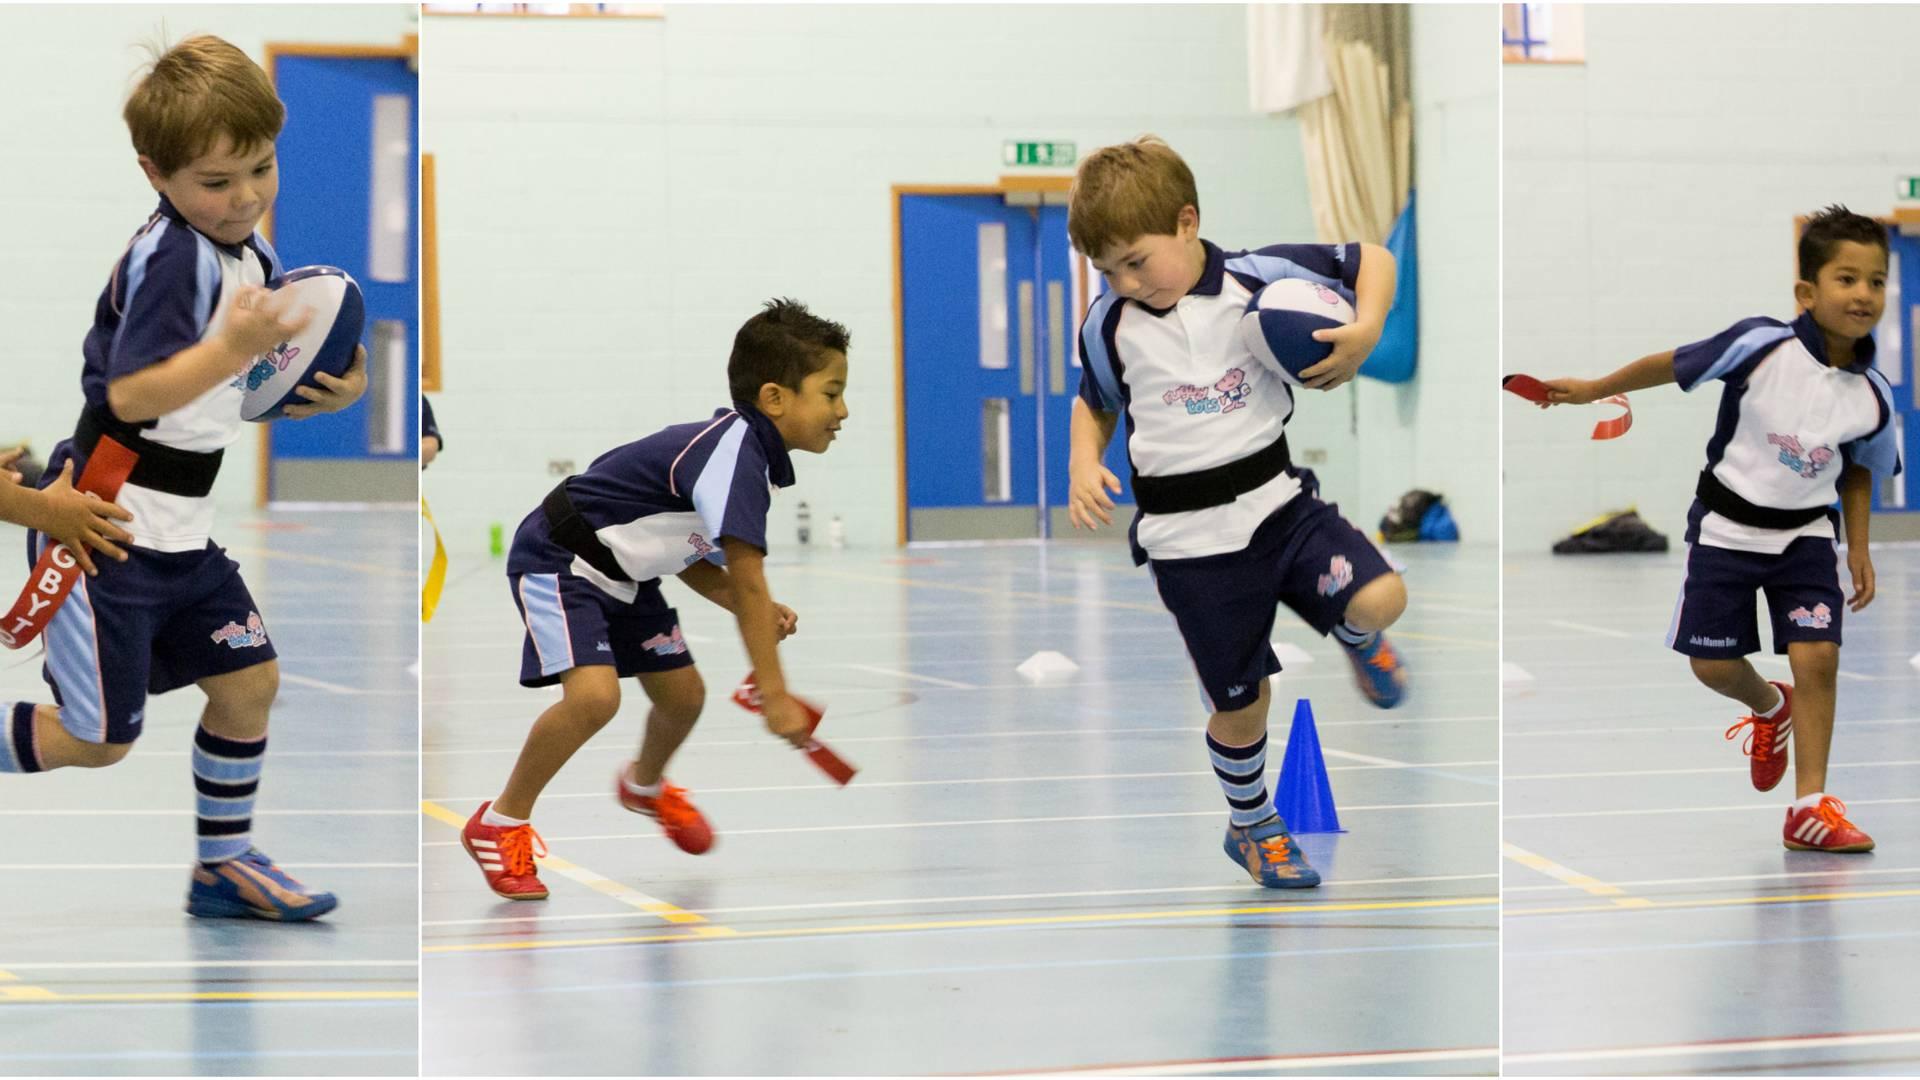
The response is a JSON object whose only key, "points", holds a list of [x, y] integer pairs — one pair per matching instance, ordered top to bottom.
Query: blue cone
{"points": [[1302, 794]]}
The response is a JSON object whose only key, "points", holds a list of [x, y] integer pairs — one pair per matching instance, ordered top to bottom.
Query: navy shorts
{"points": [[1305, 556], [1716, 617], [157, 622], [571, 623]]}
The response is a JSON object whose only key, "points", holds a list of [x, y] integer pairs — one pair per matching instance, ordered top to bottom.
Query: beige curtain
{"points": [[1359, 140]]}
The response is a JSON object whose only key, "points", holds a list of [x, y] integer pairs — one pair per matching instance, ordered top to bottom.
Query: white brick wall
{"points": [[74, 194], [616, 197], [1649, 201]]}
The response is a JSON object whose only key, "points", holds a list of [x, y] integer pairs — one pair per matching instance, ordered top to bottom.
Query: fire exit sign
{"points": [[1043, 154], [1910, 187]]}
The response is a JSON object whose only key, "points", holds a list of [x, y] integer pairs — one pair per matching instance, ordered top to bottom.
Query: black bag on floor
{"points": [[1402, 523], [1614, 531]]}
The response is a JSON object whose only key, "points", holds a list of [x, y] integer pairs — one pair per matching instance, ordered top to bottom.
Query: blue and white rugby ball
{"points": [[1280, 321], [326, 344]]}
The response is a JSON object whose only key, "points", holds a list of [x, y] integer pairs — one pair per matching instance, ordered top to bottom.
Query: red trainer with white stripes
{"points": [[1766, 745], [678, 818], [1823, 827], [505, 854]]}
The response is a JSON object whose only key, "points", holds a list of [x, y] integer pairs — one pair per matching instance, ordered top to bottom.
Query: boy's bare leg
{"points": [[1378, 604], [1816, 668], [1736, 678], [589, 696], [677, 697], [239, 702], [58, 749]]}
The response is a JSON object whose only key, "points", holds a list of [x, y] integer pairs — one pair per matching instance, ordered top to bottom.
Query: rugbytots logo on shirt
{"points": [[270, 363], [1233, 389], [1807, 463], [701, 549], [1339, 575], [1819, 618], [234, 636], [668, 644]]}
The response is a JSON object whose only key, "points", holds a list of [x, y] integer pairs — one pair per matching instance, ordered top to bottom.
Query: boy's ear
{"points": [[154, 175], [1188, 222], [1803, 294], [772, 399]]}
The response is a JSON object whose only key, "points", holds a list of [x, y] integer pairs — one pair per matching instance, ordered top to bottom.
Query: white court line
{"points": [[1584, 628], [949, 683], [337, 688], [1678, 725], [1182, 732], [1373, 764], [1690, 772], [1770, 808], [190, 813], [870, 827], [175, 866], [1842, 874], [922, 900], [128, 965], [1749, 1046], [1356, 1060]]}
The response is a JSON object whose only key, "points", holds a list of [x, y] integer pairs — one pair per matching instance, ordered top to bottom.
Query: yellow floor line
{"points": [[1572, 877], [625, 894], [1725, 901], [969, 924], [223, 995]]}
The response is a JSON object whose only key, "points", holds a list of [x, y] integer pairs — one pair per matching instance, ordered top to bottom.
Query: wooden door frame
{"points": [[407, 49], [1006, 185]]}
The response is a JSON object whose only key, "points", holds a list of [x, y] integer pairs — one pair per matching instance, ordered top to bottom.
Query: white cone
{"points": [[1047, 666]]}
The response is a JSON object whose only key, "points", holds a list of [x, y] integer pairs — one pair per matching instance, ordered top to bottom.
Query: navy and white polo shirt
{"points": [[166, 294], [1193, 396], [1789, 424], [664, 502]]}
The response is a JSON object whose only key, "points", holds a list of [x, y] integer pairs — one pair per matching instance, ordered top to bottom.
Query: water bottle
{"points": [[805, 518], [837, 532]]}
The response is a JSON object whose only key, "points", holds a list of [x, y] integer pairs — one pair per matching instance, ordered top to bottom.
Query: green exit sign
{"points": [[1043, 154], [1910, 188]]}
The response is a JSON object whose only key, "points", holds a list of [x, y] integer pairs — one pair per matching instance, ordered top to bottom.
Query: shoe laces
{"points": [[1383, 658], [1760, 738], [673, 808], [1832, 813], [518, 847], [1276, 849]]}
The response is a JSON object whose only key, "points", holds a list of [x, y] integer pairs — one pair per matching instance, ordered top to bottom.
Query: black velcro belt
{"points": [[161, 468], [1217, 486], [1722, 500], [570, 531]]}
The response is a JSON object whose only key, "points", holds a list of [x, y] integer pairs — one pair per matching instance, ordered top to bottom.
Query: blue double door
{"points": [[349, 197], [990, 308]]}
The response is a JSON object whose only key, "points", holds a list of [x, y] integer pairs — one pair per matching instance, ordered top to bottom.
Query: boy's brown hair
{"points": [[195, 92], [1124, 192]]}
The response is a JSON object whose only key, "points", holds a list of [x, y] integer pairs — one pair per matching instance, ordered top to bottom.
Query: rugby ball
{"points": [[1280, 320], [326, 344]]}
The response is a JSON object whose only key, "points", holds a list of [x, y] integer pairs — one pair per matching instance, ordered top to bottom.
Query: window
{"points": [[1542, 33]]}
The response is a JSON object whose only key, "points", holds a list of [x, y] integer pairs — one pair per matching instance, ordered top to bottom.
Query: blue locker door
{"points": [[345, 119], [1906, 251], [1060, 340], [969, 368]]}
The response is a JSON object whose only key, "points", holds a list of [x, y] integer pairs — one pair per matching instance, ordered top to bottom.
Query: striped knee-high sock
{"points": [[18, 754], [1242, 772], [226, 773]]}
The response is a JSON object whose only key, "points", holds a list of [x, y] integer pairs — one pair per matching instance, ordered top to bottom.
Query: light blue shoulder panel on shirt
{"points": [[1272, 268], [1093, 343], [1879, 452], [711, 491]]}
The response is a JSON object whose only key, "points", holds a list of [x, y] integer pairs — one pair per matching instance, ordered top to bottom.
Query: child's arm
{"points": [[1372, 299], [254, 323], [1642, 374], [334, 394], [1086, 476], [1856, 509], [65, 516], [714, 583], [755, 610]]}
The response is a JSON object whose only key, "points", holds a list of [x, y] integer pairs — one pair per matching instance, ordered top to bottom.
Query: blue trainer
{"points": [[1377, 668], [1270, 856], [251, 887]]}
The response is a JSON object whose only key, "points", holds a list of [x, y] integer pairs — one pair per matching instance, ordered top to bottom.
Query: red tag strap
{"points": [[56, 570], [747, 696]]}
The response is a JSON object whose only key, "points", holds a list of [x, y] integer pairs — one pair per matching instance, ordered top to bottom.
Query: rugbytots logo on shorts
{"points": [[270, 363], [1233, 389], [1807, 463], [701, 549], [1339, 575], [1819, 618], [234, 636], [668, 644]]}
